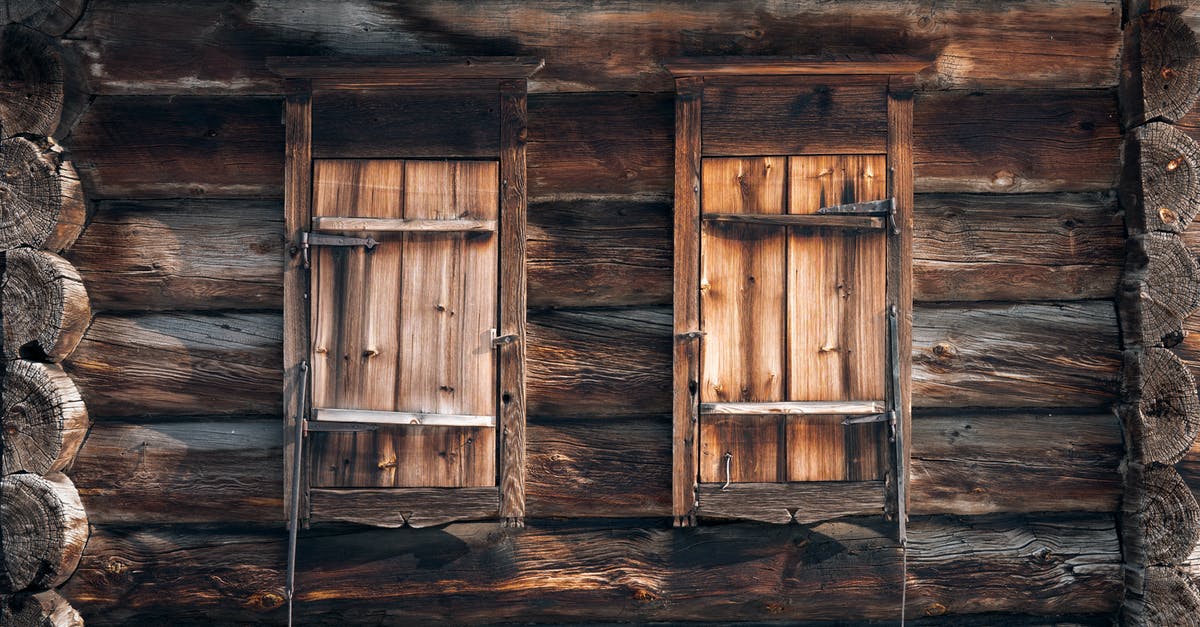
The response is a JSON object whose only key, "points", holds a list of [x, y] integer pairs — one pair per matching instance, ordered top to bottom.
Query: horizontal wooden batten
{"points": [[840, 64], [380, 70], [406, 123], [810, 220], [403, 225], [796, 408], [414, 419], [965, 463], [784, 503], [404, 507], [620, 571]]}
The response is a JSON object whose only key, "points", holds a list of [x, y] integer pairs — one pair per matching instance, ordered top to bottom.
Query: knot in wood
{"points": [[1167, 215], [945, 350], [115, 566], [265, 600], [935, 609]]}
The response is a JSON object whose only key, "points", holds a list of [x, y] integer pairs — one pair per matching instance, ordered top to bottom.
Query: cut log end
{"points": [[53, 17], [1170, 67], [31, 82], [1161, 186], [40, 196], [1161, 288], [46, 309], [1162, 418], [44, 420], [1162, 518], [43, 529], [1162, 595], [44, 609]]}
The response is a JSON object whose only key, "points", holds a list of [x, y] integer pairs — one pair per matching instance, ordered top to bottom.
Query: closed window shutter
{"points": [[404, 328]]}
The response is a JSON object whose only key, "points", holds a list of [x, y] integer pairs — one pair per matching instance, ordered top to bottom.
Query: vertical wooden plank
{"points": [[297, 194], [513, 199], [899, 289], [742, 294], [837, 323], [686, 363]]}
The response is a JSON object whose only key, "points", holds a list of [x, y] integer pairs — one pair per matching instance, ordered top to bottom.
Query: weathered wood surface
{"points": [[54, 17], [223, 46], [1161, 66], [31, 72], [406, 123], [588, 144], [1161, 179], [42, 196], [226, 254], [183, 255], [1160, 289], [46, 307], [604, 362], [181, 364], [1160, 408], [44, 421], [968, 463], [982, 463], [803, 502], [405, 507], [1160, 516], [43, 529], [629, 571], [1161, 595], [44, 609]]}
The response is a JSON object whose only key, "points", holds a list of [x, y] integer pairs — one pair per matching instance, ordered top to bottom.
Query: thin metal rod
{"points": [[898, 429], [728, 475], [294, 514]]}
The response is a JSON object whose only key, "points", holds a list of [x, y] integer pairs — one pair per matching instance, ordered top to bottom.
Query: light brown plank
{"points": [[297, 182], [397, 225], [752, 444], [784, 503]]}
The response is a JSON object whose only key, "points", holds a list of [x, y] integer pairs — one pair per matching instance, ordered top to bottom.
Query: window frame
{"points": [[506, 78], [802, 502]]}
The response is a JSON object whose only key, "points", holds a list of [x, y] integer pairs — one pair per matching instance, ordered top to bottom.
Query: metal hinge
{"points": [[886, 206], [321, 239]]}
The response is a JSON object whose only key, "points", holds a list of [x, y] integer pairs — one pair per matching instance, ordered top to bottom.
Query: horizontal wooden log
{"points": [[177, 49], [1161, 66], [391, 123], [599, 144], [1161, 178], [42, 196], [183, 254], [1160, 289], [46, 307], [604, 362], [180, 364], [1160, 408], [43, 421], [1001, 462], [227, 470], [786, 503], [404, 507], [1160, 516], [43, 528], [598, 571], [44, 609]]}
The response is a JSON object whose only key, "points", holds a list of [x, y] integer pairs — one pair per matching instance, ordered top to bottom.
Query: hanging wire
{"points": [[294, 517]]}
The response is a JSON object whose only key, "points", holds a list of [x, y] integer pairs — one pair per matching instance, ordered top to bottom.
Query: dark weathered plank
{"points": [[159, 46], [383, 123], [180, 147], [1017, 247], [181, 254], [181, 364], [978, 464], [785, 503], [405, 507], [617, 572]]}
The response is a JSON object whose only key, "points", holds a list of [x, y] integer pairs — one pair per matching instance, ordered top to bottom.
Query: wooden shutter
{"points": [[793, 205], [404, 293]]}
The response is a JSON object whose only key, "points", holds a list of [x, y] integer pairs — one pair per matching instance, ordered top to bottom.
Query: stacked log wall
{"points": [[1019, 249]]}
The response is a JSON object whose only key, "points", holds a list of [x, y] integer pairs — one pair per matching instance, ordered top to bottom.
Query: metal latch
{"points": [[872, 207], [321, 239], [501, 340]]}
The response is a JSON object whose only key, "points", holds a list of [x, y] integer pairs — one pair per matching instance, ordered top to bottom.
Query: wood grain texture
{"points": [[53, 17], [222, 46], [1162, 59], [34, 91], [583, 145], [900, 156], [1161, 178], [44, 206], [297, 213], [183, 255], [1160, 289], [46, 307], [685, 311], [1160, 408], [44, 421], [964, 463], [786, 503], [405, 507], [1160, 521], [43, 528], [616, 572], [1162, 595], [44, 609]]}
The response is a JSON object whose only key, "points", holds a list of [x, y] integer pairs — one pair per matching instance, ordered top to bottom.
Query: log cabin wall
{"points": [[173, 122]]}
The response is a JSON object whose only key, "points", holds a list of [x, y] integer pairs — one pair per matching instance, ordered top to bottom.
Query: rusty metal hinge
{"points": [[308, 239], [501, 340]]}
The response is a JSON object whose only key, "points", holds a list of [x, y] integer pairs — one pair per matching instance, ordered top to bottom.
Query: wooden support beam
{"points": [[1161, 60], [1160, 184], [43, 200], [1160, 289], [46, 308], [1161, 410], [44, 421], [1160, 517], [42, 531], [44, 609]]}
